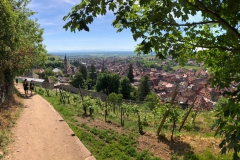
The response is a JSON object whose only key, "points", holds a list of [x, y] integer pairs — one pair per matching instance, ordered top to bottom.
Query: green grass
{"points": [[186, 67], [102, 143], [207, 155]]}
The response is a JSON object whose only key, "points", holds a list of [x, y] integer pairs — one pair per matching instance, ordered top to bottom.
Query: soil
{"points": [[41, 134]]}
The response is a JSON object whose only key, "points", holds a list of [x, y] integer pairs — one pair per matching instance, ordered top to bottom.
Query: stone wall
{"points": [[48, 85], [72, 89], [102, 96]]}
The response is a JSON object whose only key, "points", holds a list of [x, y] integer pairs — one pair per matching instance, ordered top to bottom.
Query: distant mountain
{"points": [[94, 53]]}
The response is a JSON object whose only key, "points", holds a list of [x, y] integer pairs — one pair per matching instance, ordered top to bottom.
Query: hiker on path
{"points": [[16, 81], [31, 86], [25, 87]]}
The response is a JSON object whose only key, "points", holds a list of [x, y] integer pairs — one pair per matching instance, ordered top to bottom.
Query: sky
{"points": [[102, 35]]}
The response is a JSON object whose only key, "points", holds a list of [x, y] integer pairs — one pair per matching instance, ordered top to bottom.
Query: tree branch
{"points": [[109, 1], [198, 8], [221, 20], [190, 24], [211, 47], [219, 47]]}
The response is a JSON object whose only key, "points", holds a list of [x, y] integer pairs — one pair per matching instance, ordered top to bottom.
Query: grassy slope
{"points": [[186, 67], [110, 144]]}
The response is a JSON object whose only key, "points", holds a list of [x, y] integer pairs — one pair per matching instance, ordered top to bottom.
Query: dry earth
{"points": [[41, 134]]}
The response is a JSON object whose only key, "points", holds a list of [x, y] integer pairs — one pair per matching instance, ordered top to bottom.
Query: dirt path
{"points": [[40, 134]]}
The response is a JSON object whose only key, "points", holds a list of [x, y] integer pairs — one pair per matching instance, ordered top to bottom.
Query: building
{"points": [[65, 65]]}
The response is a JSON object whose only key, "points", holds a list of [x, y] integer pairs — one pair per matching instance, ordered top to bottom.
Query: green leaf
{"points": [[65, 18], [222, 144], [232, 144], [223, 150]]}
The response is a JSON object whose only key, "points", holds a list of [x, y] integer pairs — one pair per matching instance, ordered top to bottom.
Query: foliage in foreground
{"points": [[167, 28], [21, 45], [228, 125]]}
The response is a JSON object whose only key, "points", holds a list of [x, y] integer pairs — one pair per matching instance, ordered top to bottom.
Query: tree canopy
{"points": [[207, 31], [20, 40], [84, 72], [130, 73], [93, 74], [78, 80], [108, 83], [125, 87], [143, 87], [152, 100]]}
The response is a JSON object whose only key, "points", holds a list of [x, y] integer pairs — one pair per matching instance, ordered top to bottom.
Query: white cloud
{"points": [[73, 2], [49, 24], [47, 34]]}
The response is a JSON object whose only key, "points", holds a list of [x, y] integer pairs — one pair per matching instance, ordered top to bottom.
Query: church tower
{"points": [[65, 65], [103, 66]]}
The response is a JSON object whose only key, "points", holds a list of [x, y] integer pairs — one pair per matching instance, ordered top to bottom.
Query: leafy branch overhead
{"points": [[207, 31], [21, 39]]}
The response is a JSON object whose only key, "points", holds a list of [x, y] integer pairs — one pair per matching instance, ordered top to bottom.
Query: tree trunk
{"points": [[84, 109], [90, 111], [105, 111], [122, 119], [140, 129], [173, 129]]}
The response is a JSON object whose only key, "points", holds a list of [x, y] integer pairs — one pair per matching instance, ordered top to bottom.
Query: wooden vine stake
{"points": [[47, 91], [80, 91], [62, 99], [105, 111], [167, 112], [122, 116], [186, 116], [140, 128]]}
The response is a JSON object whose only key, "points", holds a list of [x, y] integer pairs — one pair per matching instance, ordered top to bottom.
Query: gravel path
{"points": [[41, 134]]}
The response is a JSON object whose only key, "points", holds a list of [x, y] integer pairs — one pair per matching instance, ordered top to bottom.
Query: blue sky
{"points": [[102, 35]]}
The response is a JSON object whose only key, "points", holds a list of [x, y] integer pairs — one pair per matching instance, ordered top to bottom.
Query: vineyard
{"points": [[112, 129]]}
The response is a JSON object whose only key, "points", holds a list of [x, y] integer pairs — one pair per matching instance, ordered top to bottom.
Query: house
{"points": [[56, 70], [31, 74], [64, 79], [48, 83], [182, 85], [158, 89], [205, 92], [189, 94], [164, 96], [182, 101], [202, 103]]}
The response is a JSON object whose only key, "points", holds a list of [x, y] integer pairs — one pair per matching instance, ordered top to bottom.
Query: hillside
{"points": [[108, 139]]}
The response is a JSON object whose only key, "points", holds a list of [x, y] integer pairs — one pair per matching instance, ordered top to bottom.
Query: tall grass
{"points": [[8, 116]]}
